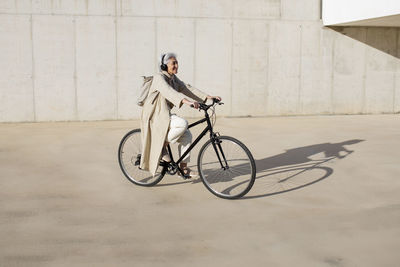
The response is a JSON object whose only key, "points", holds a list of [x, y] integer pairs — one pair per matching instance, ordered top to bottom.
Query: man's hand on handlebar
{"points": [[217, 98], [193, 104], [196, 105]]}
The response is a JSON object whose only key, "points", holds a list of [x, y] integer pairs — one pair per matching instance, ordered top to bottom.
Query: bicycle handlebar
{"points": [[206, 107]]}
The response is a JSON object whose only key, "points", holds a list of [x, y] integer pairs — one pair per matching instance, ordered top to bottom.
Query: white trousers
{"points": [[179, 132]]}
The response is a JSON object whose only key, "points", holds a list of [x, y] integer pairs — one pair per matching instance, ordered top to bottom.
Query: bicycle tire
{"points": [[128, 157], [233, 182]]}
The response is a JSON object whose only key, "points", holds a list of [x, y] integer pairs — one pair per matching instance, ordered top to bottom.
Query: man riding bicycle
{"points": [[159, 126]]}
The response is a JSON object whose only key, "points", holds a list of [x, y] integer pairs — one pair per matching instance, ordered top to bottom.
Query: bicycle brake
{"points": [[215, 138]]}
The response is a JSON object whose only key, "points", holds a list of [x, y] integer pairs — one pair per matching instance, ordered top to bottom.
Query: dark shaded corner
{"points": [[385, 39]]}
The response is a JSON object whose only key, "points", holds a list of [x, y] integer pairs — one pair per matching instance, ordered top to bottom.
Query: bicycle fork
{"points": [[216, 142]]}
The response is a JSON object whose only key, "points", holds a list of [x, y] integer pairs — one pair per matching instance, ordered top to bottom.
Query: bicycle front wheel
{"points": [[129, 154], [226, 167]]}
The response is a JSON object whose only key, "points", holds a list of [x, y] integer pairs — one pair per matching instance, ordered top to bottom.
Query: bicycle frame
{"points": [[201, 135]]}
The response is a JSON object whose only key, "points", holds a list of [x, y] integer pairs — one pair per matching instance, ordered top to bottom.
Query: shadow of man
{"points": [[302, 155], [298, 167]]}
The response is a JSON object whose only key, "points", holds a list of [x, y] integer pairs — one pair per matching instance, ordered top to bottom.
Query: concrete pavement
{"points": [[326, 194]]}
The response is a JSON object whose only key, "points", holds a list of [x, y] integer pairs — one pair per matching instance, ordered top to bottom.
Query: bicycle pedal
{"points": [[186, 177]]}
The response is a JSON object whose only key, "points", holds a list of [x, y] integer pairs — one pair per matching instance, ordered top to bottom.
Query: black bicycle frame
{"points": [[212, 137]]}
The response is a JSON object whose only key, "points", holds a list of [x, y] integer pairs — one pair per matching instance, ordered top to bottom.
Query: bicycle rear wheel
{"points": [[129, 154], [226, 167]]}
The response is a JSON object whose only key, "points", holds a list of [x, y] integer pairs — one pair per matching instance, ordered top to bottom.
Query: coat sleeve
{"points": [[167, 91], [191, 91]]}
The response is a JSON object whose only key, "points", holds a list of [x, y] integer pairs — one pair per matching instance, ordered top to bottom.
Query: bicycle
{"points": [[225, 165]]}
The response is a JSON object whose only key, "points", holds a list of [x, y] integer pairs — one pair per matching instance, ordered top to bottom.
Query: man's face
{"points": [[172, 66]]}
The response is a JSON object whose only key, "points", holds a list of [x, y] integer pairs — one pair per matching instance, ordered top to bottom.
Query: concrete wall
{"points": [[82, 59]]}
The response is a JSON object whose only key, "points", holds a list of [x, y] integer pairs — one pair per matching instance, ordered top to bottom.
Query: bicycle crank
{"points": [[172, 168]]}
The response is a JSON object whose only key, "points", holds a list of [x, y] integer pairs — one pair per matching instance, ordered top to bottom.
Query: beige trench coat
{"points": [[156, 113]]}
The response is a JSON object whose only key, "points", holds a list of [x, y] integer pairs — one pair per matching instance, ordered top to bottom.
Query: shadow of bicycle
{"points": [[297, 168], [294, 169]]}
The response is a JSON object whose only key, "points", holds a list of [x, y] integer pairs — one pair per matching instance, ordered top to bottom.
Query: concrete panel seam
{"points": [[233, 8], [62, 15], [152, 16], [397, 43], [155, 45], [232, 45], [194, 50], [268, 68], [116, 69], [33, 70], [396, 71], [75, 73], [333, 76], [231, 78], [364, 78], [394, 90], [266, 95], [299, 104]]}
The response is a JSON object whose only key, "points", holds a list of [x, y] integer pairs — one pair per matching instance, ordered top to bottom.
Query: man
{"points": [[159, 127]]}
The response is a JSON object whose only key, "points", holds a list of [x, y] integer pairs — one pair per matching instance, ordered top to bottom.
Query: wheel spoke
{"points": [[128, 152], [234, 181]]}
